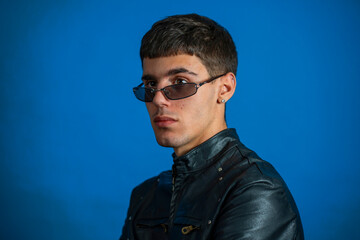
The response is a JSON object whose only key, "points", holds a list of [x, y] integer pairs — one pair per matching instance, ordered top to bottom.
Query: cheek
{"points": [[185, 106], [150, 108], [190, 109]]}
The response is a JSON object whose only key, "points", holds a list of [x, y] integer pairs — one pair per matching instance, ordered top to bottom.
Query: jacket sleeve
{"points": [[137, 195], [259, 210], [126, 228]]}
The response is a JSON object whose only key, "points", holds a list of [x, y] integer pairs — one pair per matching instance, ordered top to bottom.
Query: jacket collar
{"points": [[203, 155]]}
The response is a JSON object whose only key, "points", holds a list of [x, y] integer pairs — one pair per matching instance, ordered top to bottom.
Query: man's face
{"points": [[182, 124]]}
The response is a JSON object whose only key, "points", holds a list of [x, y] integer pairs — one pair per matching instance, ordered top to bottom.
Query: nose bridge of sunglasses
{"points": [[161, 91]]}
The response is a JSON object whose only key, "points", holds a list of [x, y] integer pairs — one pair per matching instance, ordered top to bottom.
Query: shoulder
{"points": [[250, 169], [250, 180], [149, 185], [257, 193]]}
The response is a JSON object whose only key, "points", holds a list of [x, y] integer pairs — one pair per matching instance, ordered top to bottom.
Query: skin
{"points": [[186, 123]]}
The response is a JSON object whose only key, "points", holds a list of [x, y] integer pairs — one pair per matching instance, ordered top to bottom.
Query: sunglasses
{"points": [[172, 92]]}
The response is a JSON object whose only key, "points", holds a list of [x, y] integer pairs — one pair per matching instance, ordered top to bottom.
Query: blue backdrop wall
{"points": [[74, 140]]}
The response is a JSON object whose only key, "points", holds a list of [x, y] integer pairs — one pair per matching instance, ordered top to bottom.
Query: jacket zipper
{"points": [[173, 177], [173, 197]]}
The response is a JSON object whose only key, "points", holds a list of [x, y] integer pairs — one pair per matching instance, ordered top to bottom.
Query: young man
{"points": [[218, 188]]}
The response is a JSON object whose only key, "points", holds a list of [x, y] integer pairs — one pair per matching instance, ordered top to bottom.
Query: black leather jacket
{"points": [[218, 190]]}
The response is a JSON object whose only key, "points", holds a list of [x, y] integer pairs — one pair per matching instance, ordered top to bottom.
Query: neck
{"points": [[180, 151]]}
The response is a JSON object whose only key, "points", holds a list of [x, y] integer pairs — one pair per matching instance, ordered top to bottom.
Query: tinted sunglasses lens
{"points": [[180, 91], [143, 94]]}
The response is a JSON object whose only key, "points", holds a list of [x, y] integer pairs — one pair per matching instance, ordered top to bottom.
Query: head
{"points": [[188, 49]]}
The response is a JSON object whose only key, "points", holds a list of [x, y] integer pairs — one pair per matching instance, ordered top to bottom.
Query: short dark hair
{"points": [[194, 35]]}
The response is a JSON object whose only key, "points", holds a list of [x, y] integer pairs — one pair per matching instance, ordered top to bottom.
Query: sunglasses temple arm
{"points": [[212, 79]]}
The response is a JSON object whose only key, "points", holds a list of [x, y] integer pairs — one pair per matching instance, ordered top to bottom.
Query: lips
{"points": [[164, 121]]}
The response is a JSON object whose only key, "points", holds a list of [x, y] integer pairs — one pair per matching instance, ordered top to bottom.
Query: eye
{"points": [[180, 81], [150, 84]]}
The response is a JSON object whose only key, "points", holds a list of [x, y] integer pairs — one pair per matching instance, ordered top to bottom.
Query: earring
{"points": [[223, 100]]}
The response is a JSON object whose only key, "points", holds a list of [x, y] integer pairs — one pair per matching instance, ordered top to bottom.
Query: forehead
{"points": [[161, 66]]}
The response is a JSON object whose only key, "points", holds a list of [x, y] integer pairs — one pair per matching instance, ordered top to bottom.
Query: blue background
{"points": [[75, 141]]}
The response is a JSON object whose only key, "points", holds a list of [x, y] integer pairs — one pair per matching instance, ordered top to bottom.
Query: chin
{"points": [[166, 139], [164, 142]]}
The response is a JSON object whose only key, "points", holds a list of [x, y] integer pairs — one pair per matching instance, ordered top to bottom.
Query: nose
{"points": [[160, 99]]}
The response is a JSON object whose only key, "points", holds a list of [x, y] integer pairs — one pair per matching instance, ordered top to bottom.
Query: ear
{"points": [[227, 87]]}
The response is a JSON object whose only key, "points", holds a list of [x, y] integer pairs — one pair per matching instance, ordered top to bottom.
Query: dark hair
{"points": [[194, 35]]}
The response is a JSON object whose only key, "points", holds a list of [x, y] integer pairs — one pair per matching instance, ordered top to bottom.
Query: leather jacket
{"points": [[218, 190]]}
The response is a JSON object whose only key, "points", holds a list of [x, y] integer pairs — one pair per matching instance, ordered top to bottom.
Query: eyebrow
{"points": [[171, 72]]}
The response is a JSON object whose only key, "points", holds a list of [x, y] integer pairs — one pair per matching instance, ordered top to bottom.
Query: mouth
{"points": [[164, 121]]}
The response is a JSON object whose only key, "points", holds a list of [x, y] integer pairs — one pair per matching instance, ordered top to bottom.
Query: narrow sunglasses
{"points": [[172, 92]]}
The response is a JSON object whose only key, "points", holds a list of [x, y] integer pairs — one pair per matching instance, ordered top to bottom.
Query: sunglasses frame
{"points": [[153, 91]]}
